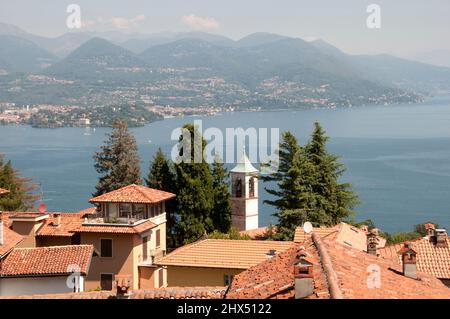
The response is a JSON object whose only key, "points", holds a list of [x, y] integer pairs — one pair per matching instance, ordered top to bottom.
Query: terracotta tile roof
{"points": [[3, 191], [133, 194], [69, 222], [115, 229], [343, 233], [10, 240], [223, 253], [46, 260], [432, 260], [354, 269], [274, 277], [160, 293], [180, 293]]}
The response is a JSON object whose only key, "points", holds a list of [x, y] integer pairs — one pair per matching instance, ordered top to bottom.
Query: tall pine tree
{"points": [[118, 161], [161, 176], [284, 178], [195, 193], [22, 195], [332, 199]]}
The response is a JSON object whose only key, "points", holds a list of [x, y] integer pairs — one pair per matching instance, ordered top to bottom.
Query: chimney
{"points": [[57, 220], [430, 230], [376, 231], [1, 232], [441, 238], [372, 241], [409, 261], [303, 277], [123, 284]]}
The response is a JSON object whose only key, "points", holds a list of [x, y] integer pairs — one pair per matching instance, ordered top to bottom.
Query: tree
{"points": [[118, 161], [162, 177], [194, 185], [284, 192], [21, 196], [331, 198], [221, 213]]}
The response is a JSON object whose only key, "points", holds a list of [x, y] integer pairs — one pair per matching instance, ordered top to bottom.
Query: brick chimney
{"points": [[430, 230], [441, 238], [372, 241], [409, 261], [303, 276], [123, 284]]}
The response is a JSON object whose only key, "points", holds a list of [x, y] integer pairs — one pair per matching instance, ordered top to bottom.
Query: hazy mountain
{"points": [[259, 38], [21, 55], [435, 57], [95, 58], [402, 73]]}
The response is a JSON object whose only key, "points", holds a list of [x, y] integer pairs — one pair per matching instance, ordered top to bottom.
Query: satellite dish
{"points": [[42, 208], [307, 227]]}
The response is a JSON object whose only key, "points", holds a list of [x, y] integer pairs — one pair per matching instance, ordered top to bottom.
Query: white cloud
{"points": [[124, 23], [200, 23]]}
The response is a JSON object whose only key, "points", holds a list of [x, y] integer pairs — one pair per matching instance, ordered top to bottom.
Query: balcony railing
{"points": [[99, 218]]}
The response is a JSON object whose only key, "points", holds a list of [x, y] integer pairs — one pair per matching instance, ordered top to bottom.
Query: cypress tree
{"points": [[118, 161], [21, 196], [221, 213]]}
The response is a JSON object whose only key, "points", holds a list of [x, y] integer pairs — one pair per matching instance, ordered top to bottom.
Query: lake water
{"points": [[398, 157]]}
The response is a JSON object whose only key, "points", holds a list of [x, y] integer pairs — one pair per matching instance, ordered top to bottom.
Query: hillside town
{"points": [[116, 248]]}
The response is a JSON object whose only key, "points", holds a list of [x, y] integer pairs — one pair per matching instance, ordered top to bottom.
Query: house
{"points": [[3, 191], [127, 230], [129, 233], [343, 233], [432, 253], [214, 262], [323, 267], [61, 269]]}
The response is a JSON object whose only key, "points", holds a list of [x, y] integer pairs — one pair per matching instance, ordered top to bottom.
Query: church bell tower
{"points": [[244, 195]]}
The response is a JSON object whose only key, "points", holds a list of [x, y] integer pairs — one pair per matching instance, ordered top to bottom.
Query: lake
{"points": [[398, 157]]}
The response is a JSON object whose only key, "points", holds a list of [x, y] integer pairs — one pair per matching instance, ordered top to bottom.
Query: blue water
{"points": [[398, 157]]}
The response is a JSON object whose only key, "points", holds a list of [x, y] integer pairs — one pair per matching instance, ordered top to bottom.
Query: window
{"points": [[238, 187], [251, 187], [124, 210], [138, 211], [158, 238], [106, 247], [145, 247], [161, 277], [227, 279], [106, 281]]}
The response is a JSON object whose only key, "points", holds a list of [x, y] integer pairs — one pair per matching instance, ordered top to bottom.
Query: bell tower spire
{"points": [[244, 197]]}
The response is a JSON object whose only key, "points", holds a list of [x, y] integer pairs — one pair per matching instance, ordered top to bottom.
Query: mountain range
{"points": [[251, 63]]}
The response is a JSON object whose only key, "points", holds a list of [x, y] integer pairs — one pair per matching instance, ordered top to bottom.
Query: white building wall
{"points": [[35, 285]]}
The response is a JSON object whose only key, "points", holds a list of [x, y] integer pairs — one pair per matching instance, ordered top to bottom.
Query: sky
{"points": [[406, 27]]}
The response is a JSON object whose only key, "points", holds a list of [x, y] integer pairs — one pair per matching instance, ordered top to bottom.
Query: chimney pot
{"points": [[57, 220], [430, 230], [441, 238], [372, 241], [409, 261], [303, 277]]}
